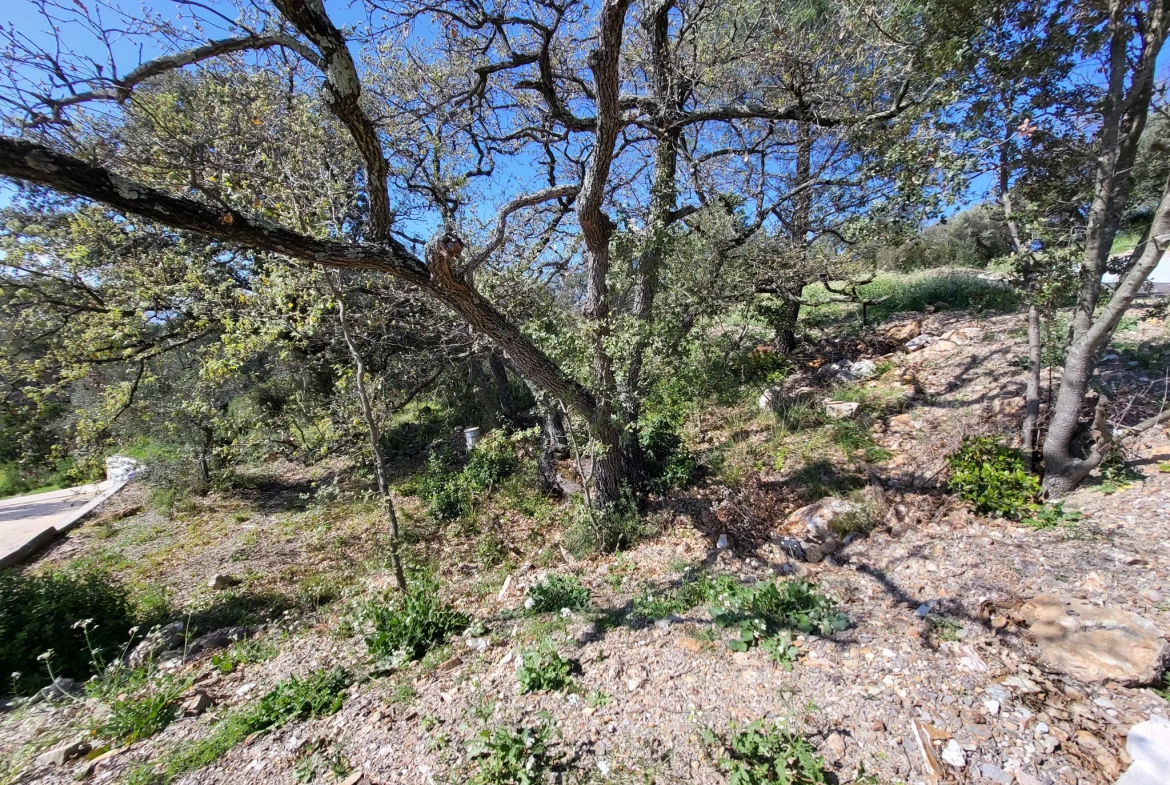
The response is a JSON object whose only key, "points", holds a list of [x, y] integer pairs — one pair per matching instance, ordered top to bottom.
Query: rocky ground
{"points": [[960, 664]]}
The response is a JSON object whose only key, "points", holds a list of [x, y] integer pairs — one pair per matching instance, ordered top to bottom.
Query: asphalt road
{"points": [[28, 522]]}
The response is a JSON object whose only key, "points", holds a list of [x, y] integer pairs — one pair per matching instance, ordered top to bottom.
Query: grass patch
{"points": [[693, 590]]}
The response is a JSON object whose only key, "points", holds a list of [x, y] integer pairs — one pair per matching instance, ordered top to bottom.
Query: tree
{"points": [[490, 91]]}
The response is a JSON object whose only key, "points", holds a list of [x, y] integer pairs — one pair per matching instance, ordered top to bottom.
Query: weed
{"points": [[489, 462], [669, 464], [1116, 475], [991, 476], [1050, 516], [693, 590], [555, 593], [766, 609], [412, 623], [945, 628], [781, 649], [243, 653], [543, 668], [403, 693], [597, 699], [143, 712], [758, 754], [514, 757], [317, 758]]}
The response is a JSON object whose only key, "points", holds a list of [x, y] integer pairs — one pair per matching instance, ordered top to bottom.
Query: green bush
{"points": [[489, 462], [669, 464], [991, 476], [605, 530], [556, 592], [768, 609], [45, 613], [412, 624], [543, 668], [759, 754], [514, 757]]}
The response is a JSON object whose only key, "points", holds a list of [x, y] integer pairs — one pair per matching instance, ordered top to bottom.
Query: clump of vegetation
{"points": [[490, 462], [669, 464], [991, 475], [449, 494], [1050, 516], [605, 529], [555, 593], [662, 604], [767, 609], [71, 614], [412, 623], [243, 652], [544, 668], [320, 694], [140, 713], [758, 754], [514, 757]]}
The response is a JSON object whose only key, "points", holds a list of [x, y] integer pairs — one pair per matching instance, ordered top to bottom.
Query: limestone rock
{"points": [[903, 331], [919, 342], [841, 410], [817, 519], [219, 582], [158, 641], [1096, 644], [197, 704], [1148, 745], [58, 756]]}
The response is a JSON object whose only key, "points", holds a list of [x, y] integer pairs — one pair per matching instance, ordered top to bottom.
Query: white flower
{"points": [[47, 655]]}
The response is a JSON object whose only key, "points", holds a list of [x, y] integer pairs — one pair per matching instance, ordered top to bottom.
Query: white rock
{"points": [[841, 410], [722, 543], [992, 706], [1148, 744], [954, 755]]}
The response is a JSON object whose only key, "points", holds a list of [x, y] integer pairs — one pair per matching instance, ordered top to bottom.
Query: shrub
{"points": [[490, 461], [669, 464], [991, 476], [605, 530], [556, 592], [768, 609], [40, 613], [412, 624], [543, 668], [759, 754], [514, 757]]}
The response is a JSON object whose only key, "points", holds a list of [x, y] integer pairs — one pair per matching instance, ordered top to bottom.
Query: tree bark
{"points": [[504, 395]]}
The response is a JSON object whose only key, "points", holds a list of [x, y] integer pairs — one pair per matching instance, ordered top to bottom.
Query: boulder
{"points": [[863, 369], [841, 410], [817, 519], [790, 546], [1096, 644]]}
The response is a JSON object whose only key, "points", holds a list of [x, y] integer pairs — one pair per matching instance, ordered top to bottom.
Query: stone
{"points": [[903, 331], [919, 342], [941, 346], [863, 369], [769, 398], [775, 398], [841, 410], [817, 519], [722, 543], [791, 546], [218, 582], [1151, 595], [163, 639], [219, 639], [479, 644], [1096, 644], [450, 665], [60, 688], [197, 704], [836, 745], [1148, 745], [953, 754], [58, 756], [357, 778]]}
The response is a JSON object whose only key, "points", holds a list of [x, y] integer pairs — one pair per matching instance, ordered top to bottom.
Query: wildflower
{"points": [[46, 656], [16, 675]]}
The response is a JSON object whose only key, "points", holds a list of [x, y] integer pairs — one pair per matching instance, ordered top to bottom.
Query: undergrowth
{"points": [[991, 476], [555, 593], [768, 613], [411, 623], [544, 668], [758, 754], [524, 756]]}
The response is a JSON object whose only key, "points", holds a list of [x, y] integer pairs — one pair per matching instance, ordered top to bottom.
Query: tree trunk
{"points": [[784, 325], [503, 387], [1028, 432], [375, 435], [1063, 470]]}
